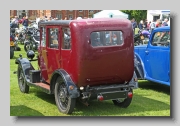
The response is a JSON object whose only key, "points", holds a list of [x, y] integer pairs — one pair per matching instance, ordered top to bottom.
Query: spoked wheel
{"points": [[27, 47], [24, 88], [64, 103], [123, 103]]}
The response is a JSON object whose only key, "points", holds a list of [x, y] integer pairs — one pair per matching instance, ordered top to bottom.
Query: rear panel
{"points": [[104, 64]]}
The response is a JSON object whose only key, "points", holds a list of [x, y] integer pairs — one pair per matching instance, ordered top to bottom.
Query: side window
{"points": [[53, 38], [107, 38], [43, 39], [161, 39], [66, 44]]}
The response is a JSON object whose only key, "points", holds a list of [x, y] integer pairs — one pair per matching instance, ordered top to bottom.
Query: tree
{"points": [[136, 14]]}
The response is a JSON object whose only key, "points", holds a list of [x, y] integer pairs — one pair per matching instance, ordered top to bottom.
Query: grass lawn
{"points": [[150, 99]]}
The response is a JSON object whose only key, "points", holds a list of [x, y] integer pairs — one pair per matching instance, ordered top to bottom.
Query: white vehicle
{"points": [[158, 14]]}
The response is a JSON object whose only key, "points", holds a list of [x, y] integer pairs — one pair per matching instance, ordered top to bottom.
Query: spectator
{"points": [[50, 18], [37, 20], [41, 20], [15, 22], [25, 22], [165, 22], [158, 23], [134, 24], [145, 24], [141, 25], [148, 25], [152, 26]]}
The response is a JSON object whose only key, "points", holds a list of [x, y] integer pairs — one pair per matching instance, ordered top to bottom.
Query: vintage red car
{"points": [[82, 60]]}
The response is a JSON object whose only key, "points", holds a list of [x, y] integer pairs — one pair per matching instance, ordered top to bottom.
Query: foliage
{"points": [[136, 14]]}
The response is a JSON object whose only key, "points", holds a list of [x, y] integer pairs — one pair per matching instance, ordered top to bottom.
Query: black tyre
{"points": [[27, 47], [11, 52], [24, 88], [64, 103], [123, 103]]}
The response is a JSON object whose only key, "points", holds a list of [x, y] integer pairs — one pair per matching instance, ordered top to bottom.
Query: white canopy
{"points": [[110, 14]]}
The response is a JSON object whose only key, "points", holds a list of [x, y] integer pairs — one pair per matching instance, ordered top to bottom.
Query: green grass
{"points": [[150, 99]]}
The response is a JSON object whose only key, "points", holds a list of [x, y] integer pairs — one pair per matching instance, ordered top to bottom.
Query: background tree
{"points": [[137, 14]]}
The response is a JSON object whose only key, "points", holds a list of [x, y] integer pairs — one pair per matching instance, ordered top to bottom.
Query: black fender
{"points": [[26, 66], [139, 67], [134, 81], [74, 93]]}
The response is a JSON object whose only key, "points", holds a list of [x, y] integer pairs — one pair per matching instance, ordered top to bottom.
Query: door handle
{"points": [[147, 52]]}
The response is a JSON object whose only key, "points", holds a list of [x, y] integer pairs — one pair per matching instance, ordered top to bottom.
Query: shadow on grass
{"points": [[144, 84], [46, 97], [139, 104], [22, 110]]}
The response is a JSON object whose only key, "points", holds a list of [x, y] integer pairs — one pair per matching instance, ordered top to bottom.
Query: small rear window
{"points": [[106, 38]]}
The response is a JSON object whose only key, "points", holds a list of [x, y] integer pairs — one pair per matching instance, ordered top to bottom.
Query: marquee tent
{"points": [[110, 14]]}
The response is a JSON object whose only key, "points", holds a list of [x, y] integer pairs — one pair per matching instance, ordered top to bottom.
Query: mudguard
{"points": [[25, 65], [139, 67], [133, 82], [74, 93]]}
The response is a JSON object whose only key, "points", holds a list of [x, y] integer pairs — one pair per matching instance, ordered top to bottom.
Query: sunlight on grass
{"points": [[150, 99]]}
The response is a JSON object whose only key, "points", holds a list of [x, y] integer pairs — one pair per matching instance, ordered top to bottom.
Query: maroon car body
{"points": [[72, 67]]}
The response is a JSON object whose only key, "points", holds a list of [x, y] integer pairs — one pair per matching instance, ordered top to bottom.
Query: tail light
{"points": [[130, 94], [100, 98]]}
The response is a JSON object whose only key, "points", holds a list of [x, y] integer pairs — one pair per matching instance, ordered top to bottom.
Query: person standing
{"points": [[165, 22], [15, 23], [25, 23], [158, 23], [134, 24], [145, 24], [141, 25], [148, 26], [152, 26]]}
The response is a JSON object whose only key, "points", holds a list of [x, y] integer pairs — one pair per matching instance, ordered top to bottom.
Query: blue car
{"points": [[152, 61]]}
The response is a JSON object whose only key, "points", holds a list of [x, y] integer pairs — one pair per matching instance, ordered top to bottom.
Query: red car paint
{"points": [[85, 64]]}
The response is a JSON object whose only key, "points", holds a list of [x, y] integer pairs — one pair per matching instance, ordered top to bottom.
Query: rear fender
{"points": [[139, 66], [134, 81], [74, 93]]}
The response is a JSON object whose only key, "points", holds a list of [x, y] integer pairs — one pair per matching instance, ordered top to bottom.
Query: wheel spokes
{"points": [[63, 96]]}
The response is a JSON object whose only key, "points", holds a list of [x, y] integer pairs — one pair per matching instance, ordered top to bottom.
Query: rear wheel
{"points": [[24, 88], [64, 102], [123, 103]]}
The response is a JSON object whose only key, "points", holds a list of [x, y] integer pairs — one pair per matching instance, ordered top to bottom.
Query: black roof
{"points": [[55, 22]]}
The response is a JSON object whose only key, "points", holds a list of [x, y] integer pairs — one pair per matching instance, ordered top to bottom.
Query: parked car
{"points": [[152, 61], [77, 63]]}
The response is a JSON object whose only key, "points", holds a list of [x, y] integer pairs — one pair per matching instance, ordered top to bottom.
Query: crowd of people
{"points": [[15, 22], [143, 24], [149, 25]]}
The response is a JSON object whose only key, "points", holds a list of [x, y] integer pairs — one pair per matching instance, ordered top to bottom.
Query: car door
{"points": [[50, 52], [157, 59]]}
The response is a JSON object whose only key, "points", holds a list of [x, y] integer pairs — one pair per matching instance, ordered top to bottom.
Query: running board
{"points": [[41, 86]]}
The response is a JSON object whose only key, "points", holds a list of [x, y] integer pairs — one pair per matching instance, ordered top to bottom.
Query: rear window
{"points": [[106, 38]]}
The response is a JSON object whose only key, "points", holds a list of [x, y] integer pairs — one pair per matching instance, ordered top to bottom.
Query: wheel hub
{"points": [[62, 96]]}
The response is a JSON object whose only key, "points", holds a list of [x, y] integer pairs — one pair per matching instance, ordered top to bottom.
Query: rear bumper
{"points": [[108, 92]]}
